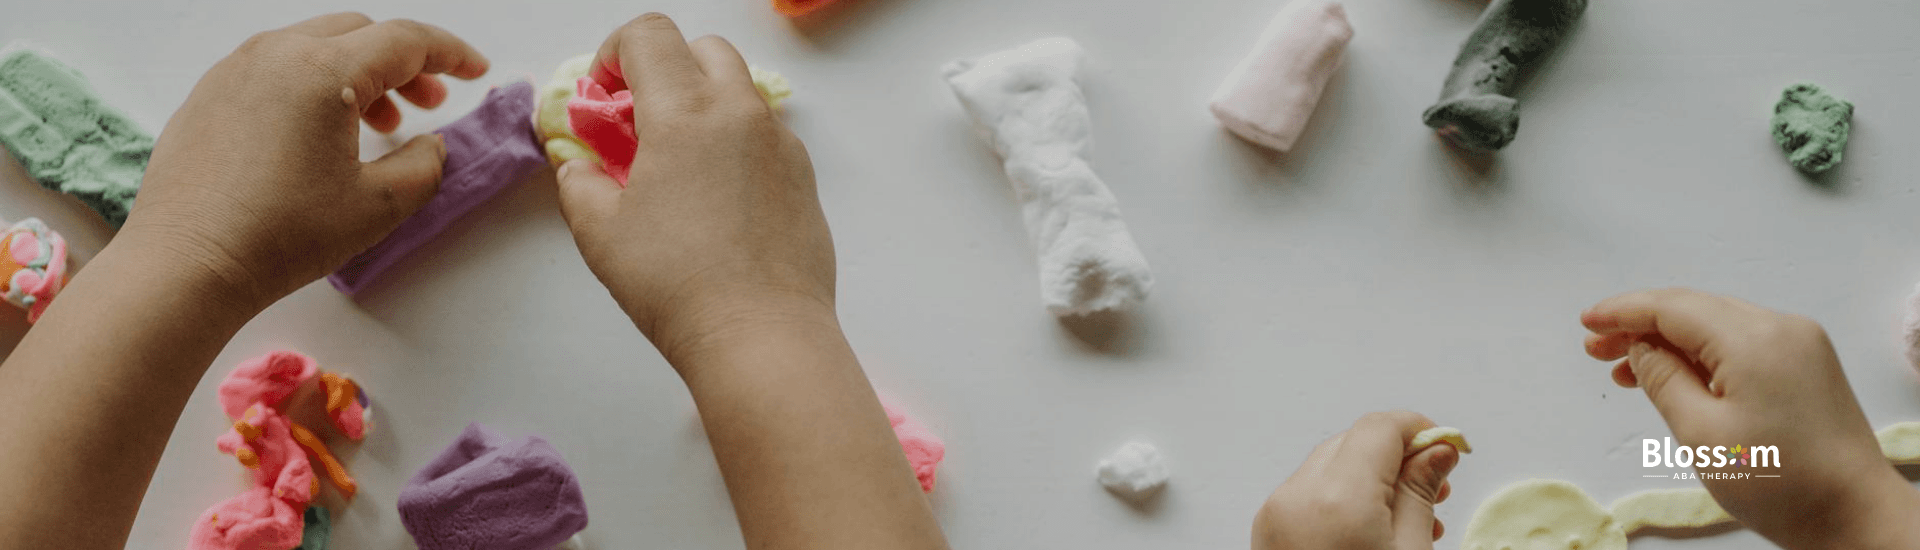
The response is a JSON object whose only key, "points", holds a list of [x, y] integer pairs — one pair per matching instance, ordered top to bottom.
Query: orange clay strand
{"points": [[334, 470]]}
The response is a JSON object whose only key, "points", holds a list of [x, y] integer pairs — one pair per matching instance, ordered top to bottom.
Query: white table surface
{"points": [[1368, 270]]}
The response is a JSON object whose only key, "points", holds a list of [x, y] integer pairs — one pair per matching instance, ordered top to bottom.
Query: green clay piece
{"points": [[1812, 126], [68, 138], [319, 528]]}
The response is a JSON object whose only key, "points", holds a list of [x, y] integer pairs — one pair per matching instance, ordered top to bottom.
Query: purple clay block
{"points": [[487, 150], [486, 492]]}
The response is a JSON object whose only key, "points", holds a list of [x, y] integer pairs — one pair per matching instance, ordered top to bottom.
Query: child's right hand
{"points": [[719, 232], [1725, 372]]}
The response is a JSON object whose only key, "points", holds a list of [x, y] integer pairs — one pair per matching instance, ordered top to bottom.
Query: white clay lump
{"points": [[1028, 106], [1431, 436], [1135, 472]]}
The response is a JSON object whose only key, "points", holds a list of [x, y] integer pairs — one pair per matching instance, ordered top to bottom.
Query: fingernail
{"points": [[442, 140], [564, 170]]}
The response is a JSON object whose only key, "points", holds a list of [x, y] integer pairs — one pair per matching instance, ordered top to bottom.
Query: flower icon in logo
{"points": [[1739, 456]]}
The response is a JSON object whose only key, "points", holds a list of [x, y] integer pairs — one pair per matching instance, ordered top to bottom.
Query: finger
{"points": [[329, 25], [388, 54], [649, 56], [723, 64], [425, 91], [382, 115], [410, 174], [587, 194], [1690, 319], [1609, 346], [1623, 375], [1671, 383], [1377, 443], [1416, 490], [1446, 490], [1438, 529]]}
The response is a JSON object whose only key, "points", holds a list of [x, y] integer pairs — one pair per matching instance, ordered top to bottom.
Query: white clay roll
{"points": [[1269, 96]]}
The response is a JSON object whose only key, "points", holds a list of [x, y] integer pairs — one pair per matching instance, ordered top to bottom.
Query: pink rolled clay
{"points": [[1271, 93]]}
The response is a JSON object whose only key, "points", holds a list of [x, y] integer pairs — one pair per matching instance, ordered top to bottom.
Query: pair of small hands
{"points": [[256, 189], [1721, 371]]}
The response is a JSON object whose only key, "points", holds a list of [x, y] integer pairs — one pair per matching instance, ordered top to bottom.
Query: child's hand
{"points": [[256, 187], [719, 231], [1725, 372], [1359, 491]]}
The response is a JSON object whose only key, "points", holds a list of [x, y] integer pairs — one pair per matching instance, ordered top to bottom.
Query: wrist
{"points": [[172, 267], [703, 337], [1885, 515]]}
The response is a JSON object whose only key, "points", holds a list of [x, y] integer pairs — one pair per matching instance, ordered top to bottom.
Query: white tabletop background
{"points": [[1367, 270]]}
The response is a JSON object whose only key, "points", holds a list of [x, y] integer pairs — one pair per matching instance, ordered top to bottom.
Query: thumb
{"points": [[411, 173], [587, 193], [1669, 380], [1419, 487]]}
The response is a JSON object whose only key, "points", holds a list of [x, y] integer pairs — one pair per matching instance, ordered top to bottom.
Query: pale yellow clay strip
{"points": [[550, 116], [1428, 437], [1901, 443], [1669, 509], [1542, 514], [1548, 514]]}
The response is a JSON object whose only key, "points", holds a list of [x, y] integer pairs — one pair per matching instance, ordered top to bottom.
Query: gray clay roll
{"points": [[1477, 109]]}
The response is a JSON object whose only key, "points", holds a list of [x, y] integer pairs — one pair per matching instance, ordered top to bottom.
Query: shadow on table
{"points": [[1480, 172], [1105, 332]]}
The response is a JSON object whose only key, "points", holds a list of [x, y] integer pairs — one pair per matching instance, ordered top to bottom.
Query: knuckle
{"points": [[359, 19], [655, 19], [650, 21], [410, 28], [711, 41], [262, 44], [290, 58], [316, 58], [1671, 292], [1805, 325], [1792, 328], [1806, 329], [1379, 418]]}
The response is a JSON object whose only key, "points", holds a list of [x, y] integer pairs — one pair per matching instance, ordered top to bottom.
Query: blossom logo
{"points": [[1658, 453]]}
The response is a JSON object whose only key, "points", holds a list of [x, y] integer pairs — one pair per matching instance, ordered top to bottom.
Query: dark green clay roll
{"points": [[1477, 109]]}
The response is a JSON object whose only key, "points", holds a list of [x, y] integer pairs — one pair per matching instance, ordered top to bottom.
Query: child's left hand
{"points": [[256, 186], [1359, 491]]}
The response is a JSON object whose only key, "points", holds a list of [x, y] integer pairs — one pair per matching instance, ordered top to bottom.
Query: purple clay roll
{"points": [[487, 151]]}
